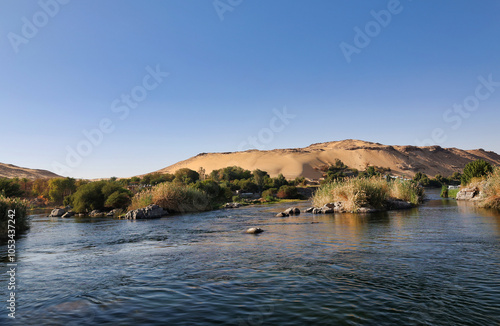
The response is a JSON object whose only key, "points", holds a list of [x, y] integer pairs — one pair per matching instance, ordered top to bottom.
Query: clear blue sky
{"points": [[227, 76]]}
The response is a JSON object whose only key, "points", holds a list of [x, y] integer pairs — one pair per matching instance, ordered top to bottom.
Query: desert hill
{"points": [[306, 162], [12, 171]]}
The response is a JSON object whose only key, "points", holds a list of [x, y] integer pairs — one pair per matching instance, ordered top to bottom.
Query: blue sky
{"points": [[228, 77]]}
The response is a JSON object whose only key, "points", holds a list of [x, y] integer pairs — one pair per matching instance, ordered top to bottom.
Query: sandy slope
{"points": [[402, 160], [12, 171]]}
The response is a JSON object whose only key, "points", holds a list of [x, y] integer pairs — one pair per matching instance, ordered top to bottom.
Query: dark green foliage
{"points": [[476, 169], [369, 172], [230, 173], [186, 176], [156, 178], [259, 178], [279, 181], [299, 181], [247, 185], [10, 188], [60, 188], [444, 191], [271, 192], [287, 192], [216, 193], [99, 195], [118, 200]]}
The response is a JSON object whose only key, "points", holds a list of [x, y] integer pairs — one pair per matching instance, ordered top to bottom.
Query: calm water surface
{"points": [[436, 265]]}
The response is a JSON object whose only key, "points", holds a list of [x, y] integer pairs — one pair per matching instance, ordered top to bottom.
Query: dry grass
{"points": [[491, 190], [355, 193], [172, 197], [20, 216]]}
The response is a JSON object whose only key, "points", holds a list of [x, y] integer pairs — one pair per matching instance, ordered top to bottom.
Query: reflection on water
{"points": [[436, 265]]}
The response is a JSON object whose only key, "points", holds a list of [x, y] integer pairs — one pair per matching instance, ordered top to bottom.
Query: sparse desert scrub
{"points": [[355, 193], [173, 197], [16, 207]]}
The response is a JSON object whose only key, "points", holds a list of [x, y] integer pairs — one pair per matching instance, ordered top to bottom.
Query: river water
{"points": [[435, 265]]}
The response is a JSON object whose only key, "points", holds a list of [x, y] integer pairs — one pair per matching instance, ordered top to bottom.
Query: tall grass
{"points": [[491, 190], [355, 193], [175, 198], [21, 219]]}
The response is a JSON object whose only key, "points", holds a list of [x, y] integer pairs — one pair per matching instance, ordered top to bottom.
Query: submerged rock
{"points": [[394, 204], [232, 205], [309, 210], [151, 211], [97, 213], [68, 214], [254, 231]]}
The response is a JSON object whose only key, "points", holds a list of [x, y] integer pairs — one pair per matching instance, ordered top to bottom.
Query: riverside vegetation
{"points": [[375, 191]]}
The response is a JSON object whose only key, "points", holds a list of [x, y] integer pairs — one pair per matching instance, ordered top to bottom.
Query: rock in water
{"points": [[151, 211], [292, 211], [57, 212], [282, 214], [254, 230]]}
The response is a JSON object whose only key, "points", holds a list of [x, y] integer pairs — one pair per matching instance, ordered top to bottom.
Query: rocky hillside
{"points": [[402, 160], [12, 171]]}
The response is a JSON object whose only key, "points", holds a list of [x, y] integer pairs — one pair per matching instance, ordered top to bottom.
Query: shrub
{"points": [[476, 169], [186, 176], [9, 188], [492, 190], [360, 191], [444, 191], [271, 192], [287, 192], [99, 195], [177, 198], [118, 200], [21, 219]]}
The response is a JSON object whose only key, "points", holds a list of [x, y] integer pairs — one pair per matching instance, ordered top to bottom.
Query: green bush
{"points": [[476, 169], [186, 176], [9, 188], [444, 191], [271, 192], [287, 192], [358, 192], [99, 195], [174, 197], [21, 219]]}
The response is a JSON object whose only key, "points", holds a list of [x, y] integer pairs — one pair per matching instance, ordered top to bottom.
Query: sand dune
{"points": [[402, 160], [12, 171]]}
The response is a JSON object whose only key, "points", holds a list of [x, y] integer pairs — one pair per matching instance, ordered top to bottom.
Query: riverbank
{"points": [[485, 192]]}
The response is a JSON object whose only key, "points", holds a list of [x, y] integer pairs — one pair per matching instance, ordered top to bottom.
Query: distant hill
{"points": [[306, 162], [12, 171]]}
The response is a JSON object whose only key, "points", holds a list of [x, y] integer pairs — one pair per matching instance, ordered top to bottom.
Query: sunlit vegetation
{"points": [[359, 192]]}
